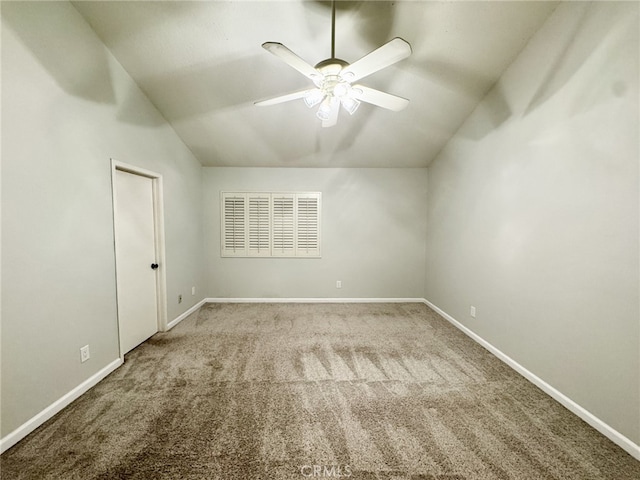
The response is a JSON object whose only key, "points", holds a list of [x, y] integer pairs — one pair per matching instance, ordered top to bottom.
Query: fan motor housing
{"points": [[331, 65]]}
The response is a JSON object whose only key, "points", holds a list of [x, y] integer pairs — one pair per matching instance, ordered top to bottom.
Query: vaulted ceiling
{"points": [[202, 65]]}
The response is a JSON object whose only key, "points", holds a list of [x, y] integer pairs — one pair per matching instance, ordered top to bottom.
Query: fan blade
{"points": [[388, 54], [291, 59], [284, 98], [381, 99], [333, 114]]}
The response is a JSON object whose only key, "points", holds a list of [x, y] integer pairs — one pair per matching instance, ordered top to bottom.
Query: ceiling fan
{"points": [[333, 78]]}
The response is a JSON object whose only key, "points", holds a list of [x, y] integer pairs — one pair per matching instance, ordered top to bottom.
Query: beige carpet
{"points": [[294, 391]]}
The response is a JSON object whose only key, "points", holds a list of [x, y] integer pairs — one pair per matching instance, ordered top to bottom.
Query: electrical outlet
{"points": [[338, 283], [193, 290], [180, 298], [472, 311], [84, 354]]}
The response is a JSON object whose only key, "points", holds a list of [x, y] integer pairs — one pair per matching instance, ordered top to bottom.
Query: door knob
{"points": [[154, 266]]}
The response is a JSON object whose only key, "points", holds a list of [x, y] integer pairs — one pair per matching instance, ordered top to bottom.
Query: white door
{"points": [[136, 266]]}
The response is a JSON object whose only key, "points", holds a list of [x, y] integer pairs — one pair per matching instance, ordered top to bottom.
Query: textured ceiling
{"points": [[202, 65]]}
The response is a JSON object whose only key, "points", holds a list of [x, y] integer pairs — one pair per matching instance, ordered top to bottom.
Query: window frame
{"points": [[293, 229]]}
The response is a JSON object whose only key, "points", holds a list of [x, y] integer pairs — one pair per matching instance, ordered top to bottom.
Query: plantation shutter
{"points": [[259, 221], [234, 224], [270, 224], [308, 224], [283, 225]]}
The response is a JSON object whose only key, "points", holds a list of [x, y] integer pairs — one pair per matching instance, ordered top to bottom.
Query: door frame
{"points": [[159, 240]]}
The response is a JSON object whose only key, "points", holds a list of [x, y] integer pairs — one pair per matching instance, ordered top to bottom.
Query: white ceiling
{"points": [[202, 65]]}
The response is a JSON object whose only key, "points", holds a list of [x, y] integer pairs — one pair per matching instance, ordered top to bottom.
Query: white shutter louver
{"points": [[259, 221], [308, 224], [233, 225], [283, 243]]}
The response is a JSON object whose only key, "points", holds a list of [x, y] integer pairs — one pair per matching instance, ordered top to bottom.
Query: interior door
{"points": [[136, 266]]}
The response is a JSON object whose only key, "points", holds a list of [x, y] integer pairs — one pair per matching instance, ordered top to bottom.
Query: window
{"points": [[261, 224]]}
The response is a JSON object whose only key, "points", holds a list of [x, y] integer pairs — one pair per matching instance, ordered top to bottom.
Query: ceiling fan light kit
{"points": [[333, 79]]}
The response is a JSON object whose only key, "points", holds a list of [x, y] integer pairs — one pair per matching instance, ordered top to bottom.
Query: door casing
{"points": [[159, 240]]}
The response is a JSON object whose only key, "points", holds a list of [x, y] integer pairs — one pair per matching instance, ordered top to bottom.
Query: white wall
{"points": [[67, 108], [533, 212], [372, 235]]}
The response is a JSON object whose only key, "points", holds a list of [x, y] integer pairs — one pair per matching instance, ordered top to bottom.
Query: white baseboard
{"points": [[314, 300], [177, 320], [29, 426], [619, 439]]}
